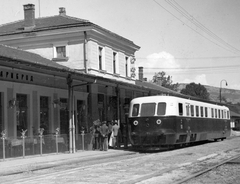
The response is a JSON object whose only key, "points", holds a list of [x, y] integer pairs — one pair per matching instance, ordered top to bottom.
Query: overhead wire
{"points": [[182, 11], [192, 28], [196, 58], [189, 70]]}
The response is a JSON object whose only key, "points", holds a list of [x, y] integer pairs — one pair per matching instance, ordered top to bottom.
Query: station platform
{"points": [[28, 163]]}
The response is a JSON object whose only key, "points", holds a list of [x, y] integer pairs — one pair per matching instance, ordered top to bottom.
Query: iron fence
{"points": [[41, 144]]}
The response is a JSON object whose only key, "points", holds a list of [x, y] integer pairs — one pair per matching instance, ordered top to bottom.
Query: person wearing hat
{"points": [[104, 136]]}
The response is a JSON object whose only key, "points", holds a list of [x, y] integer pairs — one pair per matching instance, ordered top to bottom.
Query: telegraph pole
{"points": [[69, 83]]}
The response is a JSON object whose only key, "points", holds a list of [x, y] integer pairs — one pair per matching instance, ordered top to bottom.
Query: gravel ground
{"points": [[225, 174]]}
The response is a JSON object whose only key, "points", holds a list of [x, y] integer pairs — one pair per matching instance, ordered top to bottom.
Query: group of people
{"points": [[104, 135]]}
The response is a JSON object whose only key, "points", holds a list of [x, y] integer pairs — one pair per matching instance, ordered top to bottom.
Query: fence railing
{"points": [[40, 144]]}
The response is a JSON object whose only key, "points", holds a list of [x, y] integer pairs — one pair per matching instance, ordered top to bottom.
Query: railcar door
{"points": [[187, 120]]}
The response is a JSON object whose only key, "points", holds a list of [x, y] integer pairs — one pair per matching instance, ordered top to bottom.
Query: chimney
{"points": [[62, 11], [29, 16], [140, 73]]}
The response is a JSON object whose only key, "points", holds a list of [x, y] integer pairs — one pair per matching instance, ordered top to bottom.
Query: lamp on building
{"points": [[220, 90], [56, 102], [12, 103]]}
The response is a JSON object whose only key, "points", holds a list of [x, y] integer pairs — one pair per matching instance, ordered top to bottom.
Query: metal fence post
{"points": [[41, 130], [3, 133], [57, 133], [82, 133], [23, 143]]}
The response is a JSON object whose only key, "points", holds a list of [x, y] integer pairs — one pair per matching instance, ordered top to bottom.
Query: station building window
{"points": [[61, 51], [100, 58], [114, 62], [126, 66], [101, 112], [1, 113], [21, 113], [44, 113], [64, 116], [81, 119]]}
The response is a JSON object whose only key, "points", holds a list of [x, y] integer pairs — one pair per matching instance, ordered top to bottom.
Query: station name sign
{"points": [[14, 75]]}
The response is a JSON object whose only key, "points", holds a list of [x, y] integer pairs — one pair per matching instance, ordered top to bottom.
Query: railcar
{"points": [[166, 121]]}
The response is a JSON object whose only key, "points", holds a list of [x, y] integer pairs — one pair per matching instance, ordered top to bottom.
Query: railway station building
{"points": [[61, 69]]}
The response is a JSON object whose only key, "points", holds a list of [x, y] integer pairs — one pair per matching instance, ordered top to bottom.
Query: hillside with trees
{"points": [[231, 96]]}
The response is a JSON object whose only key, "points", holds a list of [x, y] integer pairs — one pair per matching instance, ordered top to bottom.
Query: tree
{"points": [[162, 79], [196, 90]]}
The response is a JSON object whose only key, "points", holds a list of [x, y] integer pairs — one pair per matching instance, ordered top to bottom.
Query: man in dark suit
{"points": [[104, 136]]}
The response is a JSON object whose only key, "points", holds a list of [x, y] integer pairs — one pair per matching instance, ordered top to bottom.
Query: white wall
{"points": [[73, 52]]}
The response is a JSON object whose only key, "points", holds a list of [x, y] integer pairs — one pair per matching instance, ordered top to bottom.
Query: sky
{"points": [[190, 40]]}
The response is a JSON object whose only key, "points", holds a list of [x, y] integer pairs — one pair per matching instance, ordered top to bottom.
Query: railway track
{"points": [[178, 167], [206, 170], [190, 172], [28, 176]]}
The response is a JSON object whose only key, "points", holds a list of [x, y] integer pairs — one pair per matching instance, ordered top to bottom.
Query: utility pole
{"points": [[39, 8], [69, 83], [220, 90]]}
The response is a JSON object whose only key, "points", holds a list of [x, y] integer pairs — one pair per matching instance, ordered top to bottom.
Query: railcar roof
{"points": [[172, 99]]}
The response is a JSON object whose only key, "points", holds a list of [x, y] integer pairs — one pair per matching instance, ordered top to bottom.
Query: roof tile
{"points": [[42, 23]]}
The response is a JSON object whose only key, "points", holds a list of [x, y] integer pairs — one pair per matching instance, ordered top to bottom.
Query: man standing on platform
{"points": [[115, 129], [104, 136]]}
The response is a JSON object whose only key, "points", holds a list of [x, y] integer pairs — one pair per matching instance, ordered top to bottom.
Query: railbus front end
{"points": [[149, 126]]}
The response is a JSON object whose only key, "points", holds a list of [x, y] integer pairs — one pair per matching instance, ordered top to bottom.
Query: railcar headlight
{"points": [[158, 121], [135, 122]]}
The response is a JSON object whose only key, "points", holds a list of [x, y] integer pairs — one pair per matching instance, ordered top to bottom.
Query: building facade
{"points": [[76, 43], [60, 69]]}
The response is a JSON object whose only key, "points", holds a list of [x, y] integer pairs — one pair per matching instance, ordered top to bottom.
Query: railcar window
{"points": [[148, 109], [180, 109], [188, 109], [135, 110], [161, 110], [192, 110], [201, 110], [197, 111], [212, 111], [206, 112], [215, 113], [219, 113], [222, 113], [228, 115], [224, 116]]}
